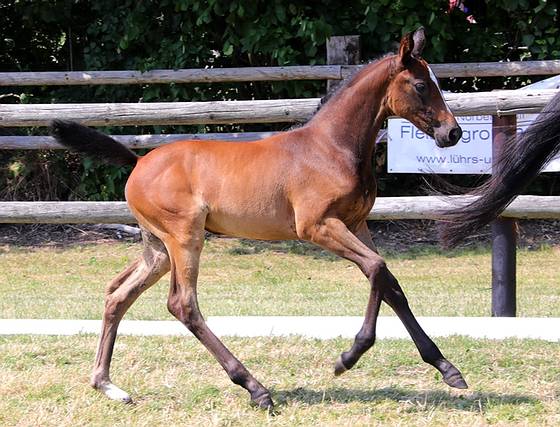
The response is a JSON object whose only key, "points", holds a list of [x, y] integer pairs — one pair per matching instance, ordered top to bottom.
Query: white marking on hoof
{"points": [[115, 393]]}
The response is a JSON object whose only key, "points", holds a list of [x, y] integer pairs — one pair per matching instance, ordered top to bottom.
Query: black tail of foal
{"points": [[89, 141], [521, 160]]}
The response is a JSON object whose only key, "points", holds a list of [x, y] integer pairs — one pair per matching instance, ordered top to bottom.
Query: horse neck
{"points": [[352, 118]]}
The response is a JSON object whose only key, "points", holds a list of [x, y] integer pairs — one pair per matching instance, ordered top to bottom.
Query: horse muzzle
{"points": [[448, 136]]}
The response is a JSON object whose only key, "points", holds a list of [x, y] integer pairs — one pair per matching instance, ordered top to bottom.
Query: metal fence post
{"points": [[503, 234]]}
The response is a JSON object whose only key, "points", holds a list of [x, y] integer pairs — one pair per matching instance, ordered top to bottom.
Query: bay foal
{"points": [[314, 183]]}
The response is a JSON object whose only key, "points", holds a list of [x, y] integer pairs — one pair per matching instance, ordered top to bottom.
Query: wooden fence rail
{"points": [[300, 72], [268, 111], [161, 113], [132, 141], [386, 208]]}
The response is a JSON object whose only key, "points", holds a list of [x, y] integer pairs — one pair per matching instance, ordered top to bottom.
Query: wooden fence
{"points": [[246, 74], [498, 103], [386, 208]]}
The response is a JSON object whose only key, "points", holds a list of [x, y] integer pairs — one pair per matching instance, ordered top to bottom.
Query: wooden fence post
{"points": [[342, 50], [503, 234]]}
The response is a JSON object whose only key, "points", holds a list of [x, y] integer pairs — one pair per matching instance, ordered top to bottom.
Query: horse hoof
{"points": [[339, 367], [451, 375], [456, 380], [114, 393], [264, 401]]}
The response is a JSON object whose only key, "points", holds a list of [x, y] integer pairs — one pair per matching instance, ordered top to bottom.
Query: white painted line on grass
{"points": [[323, 327]]}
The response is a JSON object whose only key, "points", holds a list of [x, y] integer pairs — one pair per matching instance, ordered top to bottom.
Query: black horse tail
{"points": [[89, 141], [521, 160]]}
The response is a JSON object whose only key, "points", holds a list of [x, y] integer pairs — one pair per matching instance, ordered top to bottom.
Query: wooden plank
{"points": [[342, 50], [484, 69], [496, 69], [298, 72], [204, 75], [499, 103], [225, 112], [162, 113], [132, 141], [428, 207], [386, 208], [65, 213]]}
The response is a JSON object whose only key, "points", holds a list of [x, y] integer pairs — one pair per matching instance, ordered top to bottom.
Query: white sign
{"points": [[410, 150]]}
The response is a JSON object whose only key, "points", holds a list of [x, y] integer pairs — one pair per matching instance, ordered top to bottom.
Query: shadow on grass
{"points": [[57, 236], [394, 243], [296, 247], [474, 402]]}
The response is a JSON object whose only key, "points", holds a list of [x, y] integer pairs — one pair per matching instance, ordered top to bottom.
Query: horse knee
{"points": [[375, 268]]}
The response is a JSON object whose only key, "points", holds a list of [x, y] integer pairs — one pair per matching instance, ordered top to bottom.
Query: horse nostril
{"points": [[455, 134]]}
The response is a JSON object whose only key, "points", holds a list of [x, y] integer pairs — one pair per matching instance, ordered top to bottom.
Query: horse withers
{"points": [[314, 183]]}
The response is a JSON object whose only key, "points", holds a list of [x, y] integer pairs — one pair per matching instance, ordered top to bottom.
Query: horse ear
{"points": [[419, 38], [412, 45], [405, 49]]}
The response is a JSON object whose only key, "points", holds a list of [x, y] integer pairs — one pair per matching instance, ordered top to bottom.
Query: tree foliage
{"points": [[108, 35]]}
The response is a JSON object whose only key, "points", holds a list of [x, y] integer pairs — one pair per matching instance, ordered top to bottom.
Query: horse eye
{"points": [[420, 87]]}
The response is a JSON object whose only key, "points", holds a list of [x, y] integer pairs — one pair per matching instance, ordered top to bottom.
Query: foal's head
{"points": [[414, 93]]}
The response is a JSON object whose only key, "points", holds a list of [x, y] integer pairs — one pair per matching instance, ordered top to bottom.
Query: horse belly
{"points": [[249, 209], [251, 225]]}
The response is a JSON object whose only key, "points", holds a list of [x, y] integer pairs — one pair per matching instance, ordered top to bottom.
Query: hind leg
{"points": [[184, 249], [121, 293]]}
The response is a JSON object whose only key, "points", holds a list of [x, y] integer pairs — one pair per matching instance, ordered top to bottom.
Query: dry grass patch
{"points": [[239, 277], [43, 381]]}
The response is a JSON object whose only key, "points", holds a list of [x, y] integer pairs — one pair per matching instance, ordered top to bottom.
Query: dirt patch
{"points": [[31, 235], [393, 236], [400, 236]]}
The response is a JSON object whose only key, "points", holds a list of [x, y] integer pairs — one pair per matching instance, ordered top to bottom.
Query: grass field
{"points": [[258, 278], [175, 381], [43, 382]]}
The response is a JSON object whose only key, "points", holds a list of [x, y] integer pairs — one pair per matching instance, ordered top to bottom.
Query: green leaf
{"points": [[280, 12], [528, 39], [228, 49]]}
